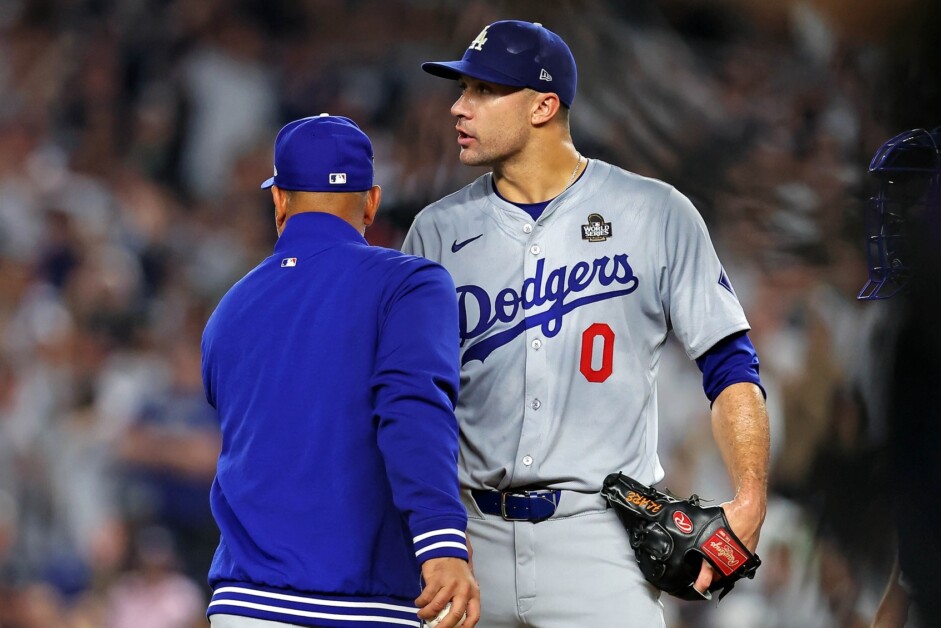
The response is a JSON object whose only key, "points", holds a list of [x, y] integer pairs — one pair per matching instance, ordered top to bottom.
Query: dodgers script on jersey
{"points": [[563, 320]]}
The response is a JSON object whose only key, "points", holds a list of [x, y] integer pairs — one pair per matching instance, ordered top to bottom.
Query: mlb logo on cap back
{"points": [[519, 54], [322, 154]]}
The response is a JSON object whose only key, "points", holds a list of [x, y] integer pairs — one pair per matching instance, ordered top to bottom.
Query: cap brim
{"points": [[455, 69], [268, 183]]}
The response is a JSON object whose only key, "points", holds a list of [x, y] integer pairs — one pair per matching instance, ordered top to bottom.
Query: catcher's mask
{"points": [[907, 175]]}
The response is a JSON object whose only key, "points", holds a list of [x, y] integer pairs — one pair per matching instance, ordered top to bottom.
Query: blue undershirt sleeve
{"points": [[732, 360]]}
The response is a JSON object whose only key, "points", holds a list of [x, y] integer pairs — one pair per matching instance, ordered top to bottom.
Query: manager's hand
{"points": [[449, 580]]}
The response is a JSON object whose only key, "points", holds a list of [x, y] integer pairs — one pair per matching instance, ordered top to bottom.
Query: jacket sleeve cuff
{"points": [[442, 543]]}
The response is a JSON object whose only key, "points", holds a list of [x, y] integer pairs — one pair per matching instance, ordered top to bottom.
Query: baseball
{"points": [[444, 612]]}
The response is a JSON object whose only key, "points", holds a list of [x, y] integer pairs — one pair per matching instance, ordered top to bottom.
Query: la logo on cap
{"points": [[478, 43]]}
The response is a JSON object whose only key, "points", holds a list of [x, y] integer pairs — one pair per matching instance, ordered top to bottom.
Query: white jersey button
{"points": [[527, 228], [535, 250], [535, 344], [536, 404], [527, 460]]}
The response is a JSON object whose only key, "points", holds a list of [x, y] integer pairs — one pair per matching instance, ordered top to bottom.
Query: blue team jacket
{"points": [[333, 366]]}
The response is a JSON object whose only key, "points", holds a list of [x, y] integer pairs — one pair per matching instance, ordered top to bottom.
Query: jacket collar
{"points": [[317, 227]]}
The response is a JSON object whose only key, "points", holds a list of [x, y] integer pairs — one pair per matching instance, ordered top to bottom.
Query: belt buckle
{"points": [[548, 495], [506, 517]]}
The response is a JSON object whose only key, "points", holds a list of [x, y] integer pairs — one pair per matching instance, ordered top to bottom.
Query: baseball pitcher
{"points": [[570, 273]]}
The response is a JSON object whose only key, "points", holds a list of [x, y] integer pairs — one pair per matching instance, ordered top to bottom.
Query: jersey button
{"points": [[527, 228], [535, 250], [535, 344], [536, 404], [527, 460]]}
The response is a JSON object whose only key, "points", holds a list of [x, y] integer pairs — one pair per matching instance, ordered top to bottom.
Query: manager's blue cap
{"points": [[519, 54], [322, 154]]}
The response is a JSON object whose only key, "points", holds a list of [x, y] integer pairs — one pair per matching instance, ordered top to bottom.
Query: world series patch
{"points": [[597, 230]]}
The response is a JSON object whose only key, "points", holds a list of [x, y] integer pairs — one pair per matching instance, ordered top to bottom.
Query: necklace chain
{"points": [[574, 172]]}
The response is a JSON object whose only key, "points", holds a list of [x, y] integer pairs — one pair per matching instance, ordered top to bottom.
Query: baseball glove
{"points": [[671, 536]]}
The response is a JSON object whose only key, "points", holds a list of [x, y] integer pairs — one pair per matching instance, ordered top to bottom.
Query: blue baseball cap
{"points": [[519, 54], [322, 154]]}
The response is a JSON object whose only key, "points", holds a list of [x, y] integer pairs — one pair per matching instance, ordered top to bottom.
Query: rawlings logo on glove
{"points": [[671, 536]]}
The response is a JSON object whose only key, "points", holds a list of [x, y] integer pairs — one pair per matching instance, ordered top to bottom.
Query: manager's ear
{"points": [[545, 108], [373, 198], [280, 199]]}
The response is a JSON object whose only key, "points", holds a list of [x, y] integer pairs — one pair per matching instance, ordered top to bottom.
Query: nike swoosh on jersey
{"points": [[457, 246]]}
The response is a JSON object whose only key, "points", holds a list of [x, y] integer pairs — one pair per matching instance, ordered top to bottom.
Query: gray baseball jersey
{"points": [[563, 320]]}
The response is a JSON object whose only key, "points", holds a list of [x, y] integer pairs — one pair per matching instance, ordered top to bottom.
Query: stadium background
{"points": [[133, 136]]}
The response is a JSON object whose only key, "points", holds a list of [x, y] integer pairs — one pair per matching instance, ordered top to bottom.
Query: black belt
{"points": [[518, 505]]}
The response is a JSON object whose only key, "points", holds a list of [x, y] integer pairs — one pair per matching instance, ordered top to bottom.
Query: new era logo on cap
{"points": [[545, 76]]}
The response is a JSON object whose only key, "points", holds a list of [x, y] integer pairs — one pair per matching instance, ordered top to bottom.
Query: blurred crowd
{"points": [[133, 137]]}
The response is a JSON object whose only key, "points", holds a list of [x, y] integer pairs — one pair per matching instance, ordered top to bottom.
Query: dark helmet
{"points": [[907, 173]]}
